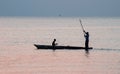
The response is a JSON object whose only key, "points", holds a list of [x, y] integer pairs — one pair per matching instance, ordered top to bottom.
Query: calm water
{"points": [[19, 56]]}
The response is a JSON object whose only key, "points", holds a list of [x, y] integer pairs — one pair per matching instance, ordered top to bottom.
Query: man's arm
{"points": [[84, 31]]}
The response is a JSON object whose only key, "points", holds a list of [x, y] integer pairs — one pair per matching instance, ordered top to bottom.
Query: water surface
{"points": [[19, 56]]}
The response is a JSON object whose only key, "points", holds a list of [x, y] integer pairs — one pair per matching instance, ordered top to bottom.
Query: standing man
{"points": [[86, 35]]}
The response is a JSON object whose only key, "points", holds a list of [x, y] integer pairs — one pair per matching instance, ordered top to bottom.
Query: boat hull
{"points": [[59, 47]]}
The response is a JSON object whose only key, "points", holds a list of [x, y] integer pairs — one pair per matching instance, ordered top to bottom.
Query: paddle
{"points": [[81, 25]]}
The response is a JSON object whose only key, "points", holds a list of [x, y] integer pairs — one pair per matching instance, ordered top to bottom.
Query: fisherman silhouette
{"points": [[86, 35], [54, 44]]}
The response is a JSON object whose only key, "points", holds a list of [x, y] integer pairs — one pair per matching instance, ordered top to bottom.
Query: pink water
{"points": [[19, 56]]}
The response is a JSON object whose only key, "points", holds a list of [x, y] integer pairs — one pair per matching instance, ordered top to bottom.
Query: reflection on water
{"points": [[87, 54], [19, 56], [60, 61]]}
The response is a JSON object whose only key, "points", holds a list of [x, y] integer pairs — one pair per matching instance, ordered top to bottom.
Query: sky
{"points": [[51, 8]]}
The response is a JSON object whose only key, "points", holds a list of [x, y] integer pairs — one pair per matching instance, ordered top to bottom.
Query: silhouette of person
{"points": [[86, 35], [54, 44]]}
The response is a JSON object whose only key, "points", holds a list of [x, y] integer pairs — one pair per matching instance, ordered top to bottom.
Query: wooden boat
{"points": [[59, 47]]}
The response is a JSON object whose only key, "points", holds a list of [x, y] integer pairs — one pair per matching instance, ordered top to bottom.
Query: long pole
{"points": [[81, 25]]}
